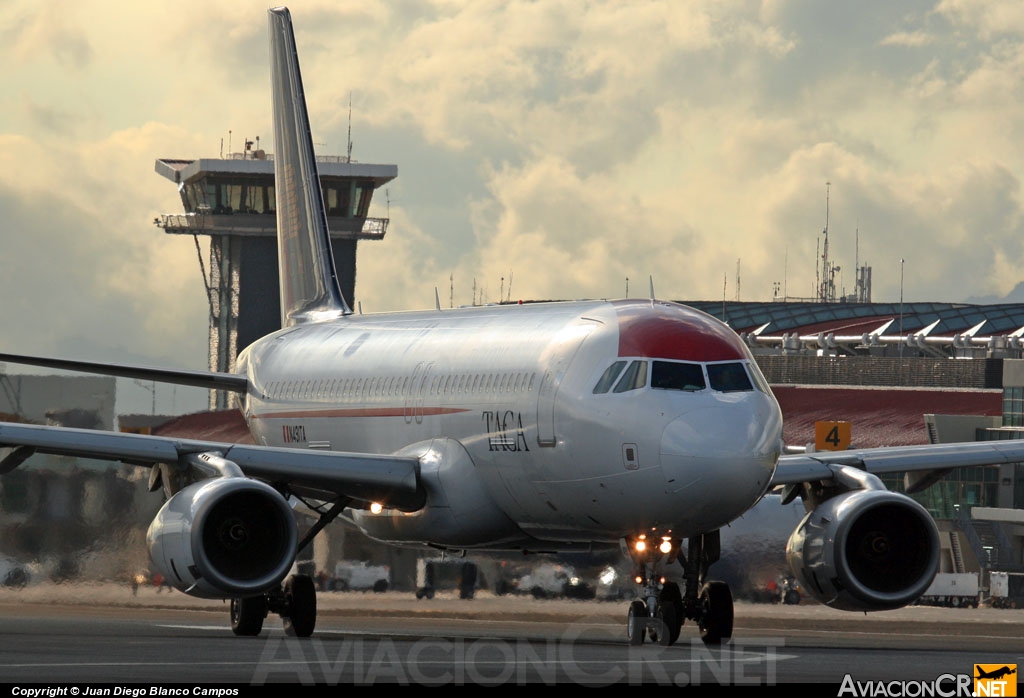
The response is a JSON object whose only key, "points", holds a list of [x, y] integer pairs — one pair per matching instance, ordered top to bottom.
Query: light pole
{"points": [[901, 304], [901, 321]]}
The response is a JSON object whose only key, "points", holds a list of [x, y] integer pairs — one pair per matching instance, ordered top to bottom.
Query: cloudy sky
{"points": [[564, 147]]}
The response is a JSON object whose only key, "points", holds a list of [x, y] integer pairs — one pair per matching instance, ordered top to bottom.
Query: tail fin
{"points": [[309, 281]]}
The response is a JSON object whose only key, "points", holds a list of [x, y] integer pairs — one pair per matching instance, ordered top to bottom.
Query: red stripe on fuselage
{"points": [[667, 331], [360, 412]]}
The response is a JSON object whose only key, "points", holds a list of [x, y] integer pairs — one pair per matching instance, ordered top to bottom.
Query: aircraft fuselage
{"points": [[578, 419]]}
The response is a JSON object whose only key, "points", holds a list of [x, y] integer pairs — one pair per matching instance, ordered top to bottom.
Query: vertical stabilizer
{"points": [[309, 283]]}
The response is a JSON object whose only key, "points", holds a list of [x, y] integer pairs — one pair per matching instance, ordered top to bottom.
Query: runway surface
{"points": [[74, 635]]}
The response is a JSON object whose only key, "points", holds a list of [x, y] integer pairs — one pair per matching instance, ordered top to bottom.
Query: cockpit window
{"points": [[673, 375], [608, 377], [635, 377], [729, 377], [759, 380]]}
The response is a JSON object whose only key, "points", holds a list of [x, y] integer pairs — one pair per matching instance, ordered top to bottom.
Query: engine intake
{"points": [[224, 537], [866, 550]]}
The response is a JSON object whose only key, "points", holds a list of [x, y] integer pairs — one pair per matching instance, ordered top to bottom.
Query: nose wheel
{"points": [[663, 606], [716, 613], [636, 622]]}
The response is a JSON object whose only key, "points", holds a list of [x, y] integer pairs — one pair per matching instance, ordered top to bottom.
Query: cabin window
{"points": [[673, 375], [729, 377], [634, 378], [604, 384]]}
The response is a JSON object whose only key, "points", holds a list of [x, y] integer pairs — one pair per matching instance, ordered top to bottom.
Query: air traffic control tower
{"points": [[232, 201]]}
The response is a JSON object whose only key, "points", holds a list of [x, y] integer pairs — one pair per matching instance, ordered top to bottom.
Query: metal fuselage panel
{"points": [[515, 386]]}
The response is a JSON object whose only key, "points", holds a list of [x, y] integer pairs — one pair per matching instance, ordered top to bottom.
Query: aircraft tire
{"points": [[670, 594], [300, 605], [247, 615], [717, 616], [636, 622], [668, 626]]}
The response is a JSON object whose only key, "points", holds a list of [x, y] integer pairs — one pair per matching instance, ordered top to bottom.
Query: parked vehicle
{"points": [[439, 573], [360, 576], [550, 580], [952, 589], [999, 590]]}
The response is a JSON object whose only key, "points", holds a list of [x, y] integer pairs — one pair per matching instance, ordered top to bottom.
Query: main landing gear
{"points": [[295, 602], [663, 607]]}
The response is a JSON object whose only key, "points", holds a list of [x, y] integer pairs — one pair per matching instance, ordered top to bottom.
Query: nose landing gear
{"points": [[663, 607]]}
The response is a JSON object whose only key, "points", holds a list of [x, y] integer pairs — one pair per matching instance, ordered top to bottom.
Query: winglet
{"points": [[309, 281]]}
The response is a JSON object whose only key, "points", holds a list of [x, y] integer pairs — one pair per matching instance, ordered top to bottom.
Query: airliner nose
{"points": [[728, 451]]}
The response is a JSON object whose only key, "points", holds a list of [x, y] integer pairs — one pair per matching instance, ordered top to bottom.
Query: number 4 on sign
{"points": [[831, 436]]}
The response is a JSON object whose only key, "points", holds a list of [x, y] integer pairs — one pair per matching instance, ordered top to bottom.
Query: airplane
{"points": [[635, 424], [995, 673]]}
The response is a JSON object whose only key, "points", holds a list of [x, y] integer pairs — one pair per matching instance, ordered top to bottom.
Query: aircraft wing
{"points": [[200, 379], [939, 458], [366, 477]]}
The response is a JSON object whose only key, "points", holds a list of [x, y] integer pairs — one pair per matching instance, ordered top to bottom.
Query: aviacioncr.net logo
{"points": [[995, 680]]}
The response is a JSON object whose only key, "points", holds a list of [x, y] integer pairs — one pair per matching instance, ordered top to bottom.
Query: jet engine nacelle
{"points": [[224, 537], [865, 550]]}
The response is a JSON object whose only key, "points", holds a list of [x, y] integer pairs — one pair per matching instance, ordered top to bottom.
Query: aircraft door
{"points": [[563, 352], [414, 395]]}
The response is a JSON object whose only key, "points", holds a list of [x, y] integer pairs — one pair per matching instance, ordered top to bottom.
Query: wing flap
{"points": [[811, 467], [367, 477]]}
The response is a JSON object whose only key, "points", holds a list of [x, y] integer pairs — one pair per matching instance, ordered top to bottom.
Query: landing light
{"points": [[376, 507], [640, 545], [666, 546]]}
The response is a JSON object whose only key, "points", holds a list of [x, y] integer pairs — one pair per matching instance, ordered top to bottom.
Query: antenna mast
{"points": [[349, 152], [823, 294]]}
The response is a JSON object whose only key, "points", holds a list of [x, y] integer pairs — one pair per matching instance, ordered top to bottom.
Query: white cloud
{"points": [[566, 146]]}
